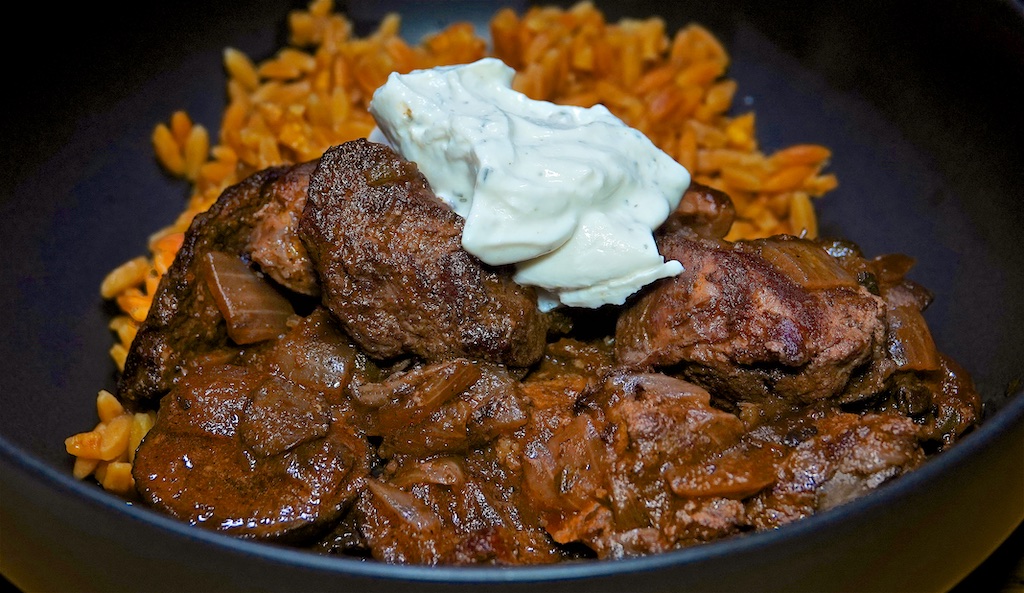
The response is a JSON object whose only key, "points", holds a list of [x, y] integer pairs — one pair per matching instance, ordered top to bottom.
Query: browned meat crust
{"points": [[274, 243], [393, 270], [184, 321], [738, 325]]}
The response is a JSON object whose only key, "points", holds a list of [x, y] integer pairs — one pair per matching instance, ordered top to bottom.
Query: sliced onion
{"points": [[805, 263], [893, 267], [253, 309], [910, 341], [414, 396], [448, 471], [563, 473], [738, 473], [403, 510]]}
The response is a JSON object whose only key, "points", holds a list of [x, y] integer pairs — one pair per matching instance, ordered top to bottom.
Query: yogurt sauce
{"points": [[569, 195]]}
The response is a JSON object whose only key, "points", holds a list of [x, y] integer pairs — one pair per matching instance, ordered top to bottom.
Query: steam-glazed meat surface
{"points": [[393, 270], [407, 404]]}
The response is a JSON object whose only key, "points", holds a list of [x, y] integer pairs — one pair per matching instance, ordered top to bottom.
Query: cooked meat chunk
{"points": [[274, 242], [393, 270], [184, 321], [748, 328], [908, 346], [315, 354], [910, 377], [943, 402], [956, 405], [446, 407], [252, 454], [838, 457], [645, 464], [601, 478], [449, 493], [451, 510]]}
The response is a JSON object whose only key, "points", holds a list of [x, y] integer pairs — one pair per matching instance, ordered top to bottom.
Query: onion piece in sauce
{"points": [[805, 263], [253, 309]]}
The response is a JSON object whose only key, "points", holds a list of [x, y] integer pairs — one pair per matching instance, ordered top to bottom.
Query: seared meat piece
{"points": [[274, 243], [393, 270], [753, 320], [184, 321], [244, 451], [835, 458], [603, 477]]}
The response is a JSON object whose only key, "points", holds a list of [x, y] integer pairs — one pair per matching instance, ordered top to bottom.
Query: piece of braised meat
{"points": [[274, 242], [393, 270], [753, 320], [184, 321], [315, 353], [909, 376], [943, 402], [441, 408], [261, 447], [833, 457], [643, 463], [602, 477], [448, 493], [464, 509]]}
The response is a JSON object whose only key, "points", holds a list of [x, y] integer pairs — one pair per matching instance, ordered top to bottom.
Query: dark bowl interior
{"points": [[921, 104]]}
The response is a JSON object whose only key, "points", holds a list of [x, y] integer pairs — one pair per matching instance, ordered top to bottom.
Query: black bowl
{"points": [[920, 102]]}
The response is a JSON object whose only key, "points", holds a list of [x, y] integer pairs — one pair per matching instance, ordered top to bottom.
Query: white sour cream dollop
{"points": [[569, 195]]}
